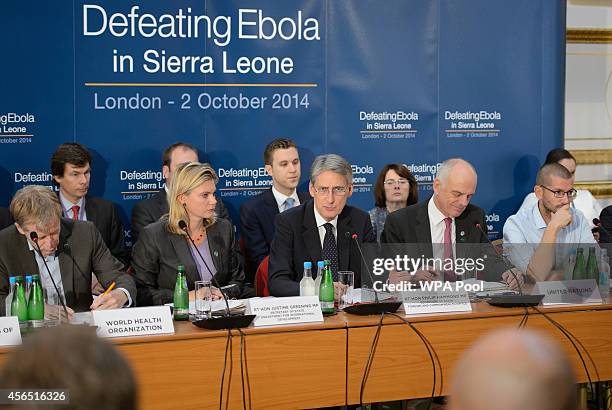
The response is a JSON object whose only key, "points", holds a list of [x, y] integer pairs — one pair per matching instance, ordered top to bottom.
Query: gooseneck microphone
{"points": [[34, 238], [519, 300], [377, 307], [229, 320]]}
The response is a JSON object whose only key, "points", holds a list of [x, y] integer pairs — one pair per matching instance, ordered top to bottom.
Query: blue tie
{"points": [[289, 203]]}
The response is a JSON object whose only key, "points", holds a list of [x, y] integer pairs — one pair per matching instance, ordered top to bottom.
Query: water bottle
{"points": [[320, 266], [604, 274], [307, 284], [9, 298]]}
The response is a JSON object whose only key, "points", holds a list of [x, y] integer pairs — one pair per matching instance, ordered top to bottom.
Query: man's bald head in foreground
{"points": [[514, 370]]}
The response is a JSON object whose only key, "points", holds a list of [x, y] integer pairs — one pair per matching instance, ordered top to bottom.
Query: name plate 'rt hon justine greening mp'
{"points": [[283, 311]]}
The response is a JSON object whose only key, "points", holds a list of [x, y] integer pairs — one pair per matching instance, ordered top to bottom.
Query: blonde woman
{"points": [[163, 245]]}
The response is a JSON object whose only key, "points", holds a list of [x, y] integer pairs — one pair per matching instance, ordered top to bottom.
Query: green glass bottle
{"points": [[579, 268], [592, 270], [326, 290], [181, 295], [36, 303], [19, 306]]}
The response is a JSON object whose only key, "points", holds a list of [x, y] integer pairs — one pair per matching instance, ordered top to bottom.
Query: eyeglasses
{"points": [[393, 182], [337, 190], [571, 194]]}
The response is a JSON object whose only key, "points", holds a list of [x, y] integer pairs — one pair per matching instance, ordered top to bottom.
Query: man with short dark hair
{"points": [[282, 163], [71, 170], [151, 209], [319, 229], [531, 235], [71, 250], [93, 372]]}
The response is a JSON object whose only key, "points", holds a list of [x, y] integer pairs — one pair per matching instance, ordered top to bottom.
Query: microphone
{"points": [[34, 238], [519, 300], [377, 307], [229, 320]]}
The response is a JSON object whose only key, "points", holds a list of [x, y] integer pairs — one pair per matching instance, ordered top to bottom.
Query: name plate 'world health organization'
{"points": [[284, 311], [153, 320]]}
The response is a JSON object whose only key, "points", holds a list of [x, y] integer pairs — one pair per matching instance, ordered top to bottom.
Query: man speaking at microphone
{"points": [[449, 221], [325, 228], [532, 235], [71, 250]]}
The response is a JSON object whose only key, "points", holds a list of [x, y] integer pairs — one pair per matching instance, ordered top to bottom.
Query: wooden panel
{"points": [[402, 368]]}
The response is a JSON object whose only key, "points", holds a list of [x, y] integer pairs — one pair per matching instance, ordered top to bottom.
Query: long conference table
{"points": [[322, 364]]}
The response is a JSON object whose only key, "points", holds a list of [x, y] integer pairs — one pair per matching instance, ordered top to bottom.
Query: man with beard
{"points": [[533, 235]]}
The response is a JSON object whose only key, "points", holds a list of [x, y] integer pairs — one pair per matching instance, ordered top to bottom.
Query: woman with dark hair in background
{"points": [[395, 188]]}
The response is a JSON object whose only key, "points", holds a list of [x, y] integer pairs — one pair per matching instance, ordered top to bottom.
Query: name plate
{"points": [[584, 291], [416, 302], [283, 311], [153, 320], [9, 331]]}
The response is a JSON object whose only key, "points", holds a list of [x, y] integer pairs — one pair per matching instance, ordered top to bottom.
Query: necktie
{"points": [[289, 203], [75, 212], [330, 251], [449, 275]]}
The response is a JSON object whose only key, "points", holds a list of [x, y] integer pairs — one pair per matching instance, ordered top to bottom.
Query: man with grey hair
{"points": [[446, 220], [319, 229], [532, 234], [72, 250], [536, 376]]}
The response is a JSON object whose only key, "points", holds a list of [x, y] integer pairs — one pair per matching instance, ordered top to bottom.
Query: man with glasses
{"points": [[547, 223], [324, 228]]}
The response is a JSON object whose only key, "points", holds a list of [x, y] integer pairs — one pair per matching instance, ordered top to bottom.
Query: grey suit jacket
{"points": [[150, 210], [81, 251], [158, 253]]}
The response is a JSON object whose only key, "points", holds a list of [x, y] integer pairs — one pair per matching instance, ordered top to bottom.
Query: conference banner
{"points": [[405, 81]]}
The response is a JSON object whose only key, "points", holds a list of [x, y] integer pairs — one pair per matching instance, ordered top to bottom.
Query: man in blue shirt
{"points": [[533, 235]]}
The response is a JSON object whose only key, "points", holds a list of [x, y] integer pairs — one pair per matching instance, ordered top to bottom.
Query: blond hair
{"points": [[186, 178], [37, 205]]}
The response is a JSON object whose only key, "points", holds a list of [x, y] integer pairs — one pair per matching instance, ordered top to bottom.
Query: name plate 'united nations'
{"points": [[584, 291], [416, 302], [283, 311], [153, 320], [9, 331]]}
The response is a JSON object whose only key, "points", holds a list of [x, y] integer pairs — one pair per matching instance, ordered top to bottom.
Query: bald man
{"points": [[446, 219], [531, 235], [536, 376]]}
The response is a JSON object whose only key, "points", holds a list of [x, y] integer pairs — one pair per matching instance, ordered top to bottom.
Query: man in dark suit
{"points": [[282, 163], [71, 169], [150, 210], [5, 218], [440, 227], [319, 229], [71, 249]]}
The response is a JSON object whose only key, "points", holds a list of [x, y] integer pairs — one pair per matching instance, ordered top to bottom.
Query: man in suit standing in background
{"points": [[282, 162], [71, 170], [151, 209], [438, 228], [321, 229]]}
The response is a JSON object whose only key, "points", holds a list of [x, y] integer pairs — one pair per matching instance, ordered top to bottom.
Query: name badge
{"points": [[584, 291], [417, 302], [283, 311], [153, 320], [9, 331]]}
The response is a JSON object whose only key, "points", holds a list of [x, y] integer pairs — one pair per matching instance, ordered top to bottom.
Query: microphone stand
{"points": [[228, 320]]}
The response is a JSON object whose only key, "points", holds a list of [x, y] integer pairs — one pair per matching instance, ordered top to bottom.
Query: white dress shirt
{"points": [[437, 227]]}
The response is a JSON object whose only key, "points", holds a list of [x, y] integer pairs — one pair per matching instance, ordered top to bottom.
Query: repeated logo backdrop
{"points": [[404, 81]]}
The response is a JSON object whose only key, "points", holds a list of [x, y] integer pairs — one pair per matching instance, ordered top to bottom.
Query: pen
{"points": [[111, 287]]}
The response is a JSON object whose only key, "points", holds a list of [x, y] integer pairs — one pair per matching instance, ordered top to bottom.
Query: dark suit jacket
{"points": [[151, 209], [105, 216], [5, 218], [606, 222], [410, 226], [257, 227], [297, 241], [82, 251], [158, 253]]}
